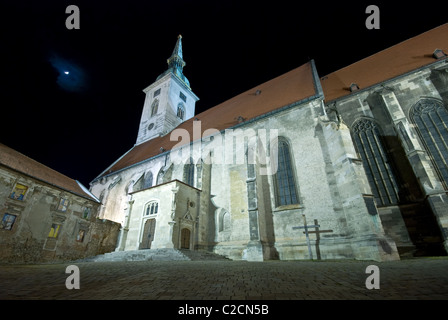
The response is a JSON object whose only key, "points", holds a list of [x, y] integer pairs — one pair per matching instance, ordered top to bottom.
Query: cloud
{"points": [[71, 76]]}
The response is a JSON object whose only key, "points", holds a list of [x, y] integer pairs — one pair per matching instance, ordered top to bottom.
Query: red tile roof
{"points": [[399, 59], [289, 88], [17, 161]]}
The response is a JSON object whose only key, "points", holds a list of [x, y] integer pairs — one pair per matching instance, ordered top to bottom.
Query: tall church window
{"points": [[154, 107], [180, 111], [431, 119], [367, 138], [189, 173], [147, 180], [285, 181], [152, 208], [224, 221]]}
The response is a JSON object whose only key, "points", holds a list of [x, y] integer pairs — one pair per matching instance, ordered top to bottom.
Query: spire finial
{"points": [[176, 59], [176, 62]]}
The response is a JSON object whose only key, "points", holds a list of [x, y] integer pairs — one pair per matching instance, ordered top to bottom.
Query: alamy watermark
{"points": [[73, 20], [373, 20], [230, 146], [73, 280], [373, 280]]}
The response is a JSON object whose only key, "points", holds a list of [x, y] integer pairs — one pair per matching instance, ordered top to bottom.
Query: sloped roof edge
{"points": [[18, 162]]}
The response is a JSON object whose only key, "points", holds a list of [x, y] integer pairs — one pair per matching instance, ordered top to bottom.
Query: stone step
{"points": [[140, 255], [156, 255], [202, 255]]}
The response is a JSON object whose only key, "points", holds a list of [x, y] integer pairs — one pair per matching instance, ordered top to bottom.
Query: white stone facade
{"points": [[331, 190]]}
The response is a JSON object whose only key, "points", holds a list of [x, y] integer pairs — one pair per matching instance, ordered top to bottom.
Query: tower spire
{"points": [[177, 52], [176, 62]]}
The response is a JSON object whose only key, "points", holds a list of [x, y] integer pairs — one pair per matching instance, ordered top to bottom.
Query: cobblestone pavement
{"points": [[425, 278]]}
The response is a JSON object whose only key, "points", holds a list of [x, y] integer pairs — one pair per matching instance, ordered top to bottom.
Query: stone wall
{"points": [[389, 104], [48, 224]]}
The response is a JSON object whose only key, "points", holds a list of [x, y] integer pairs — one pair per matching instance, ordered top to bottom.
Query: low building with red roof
{"points": [[47, 216]]}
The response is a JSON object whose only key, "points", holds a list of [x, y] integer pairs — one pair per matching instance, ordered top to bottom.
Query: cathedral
{"points": [[351, 165]]}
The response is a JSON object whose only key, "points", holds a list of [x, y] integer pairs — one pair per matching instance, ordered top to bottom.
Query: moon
{"points": [[71, 76]]}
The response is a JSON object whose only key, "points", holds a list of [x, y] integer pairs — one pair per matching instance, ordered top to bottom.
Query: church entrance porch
{"points": [[161, 217], [148, 234]]}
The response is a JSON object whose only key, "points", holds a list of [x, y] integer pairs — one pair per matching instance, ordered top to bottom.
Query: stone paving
{"points": [[421, 279]]}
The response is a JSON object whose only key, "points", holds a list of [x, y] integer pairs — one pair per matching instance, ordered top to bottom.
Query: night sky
{"points": [[81, 122]]}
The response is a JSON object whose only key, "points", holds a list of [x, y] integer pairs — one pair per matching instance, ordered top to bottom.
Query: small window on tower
{"points": [[156, 93], [183, 97], [154, 107], [180, 111]]}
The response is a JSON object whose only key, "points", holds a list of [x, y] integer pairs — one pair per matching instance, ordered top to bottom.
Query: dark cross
{"points": [[317, 232]]}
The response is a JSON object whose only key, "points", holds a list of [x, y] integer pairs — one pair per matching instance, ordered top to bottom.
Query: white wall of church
{"points": [[113, 190], [330, 192]]}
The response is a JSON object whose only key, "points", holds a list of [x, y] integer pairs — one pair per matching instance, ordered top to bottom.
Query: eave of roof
{"points": [[390, 63], [22, 164]]}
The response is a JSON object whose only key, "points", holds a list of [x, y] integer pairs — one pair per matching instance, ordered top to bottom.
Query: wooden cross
{"points": [[317, 232]]}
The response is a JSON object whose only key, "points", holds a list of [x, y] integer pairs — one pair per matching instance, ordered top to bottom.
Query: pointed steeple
{"points": [[176, 56], [176, 63]]}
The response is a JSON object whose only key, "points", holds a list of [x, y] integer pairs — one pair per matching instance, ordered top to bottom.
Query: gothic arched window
{"points": [[154, 107], [180, 111], [431, 120], [367, 138], [189, 173], [284, 178], [147, 182], [151, 208], [224, 221]]}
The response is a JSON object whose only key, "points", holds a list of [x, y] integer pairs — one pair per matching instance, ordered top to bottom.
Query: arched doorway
{"points": [[148, 234], [185, 235]]}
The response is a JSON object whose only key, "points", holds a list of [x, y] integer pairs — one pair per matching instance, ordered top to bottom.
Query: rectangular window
{"points": [[156, 93], [183, 97], [19, 192], [63, 205], [87, 213], [8, 221], [54, 231], [80, 235]]}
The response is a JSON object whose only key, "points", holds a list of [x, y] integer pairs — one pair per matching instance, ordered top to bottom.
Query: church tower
{"points": [[169, 100]]}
